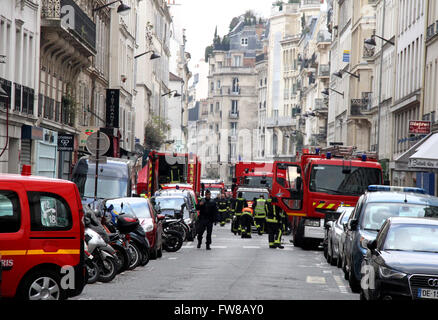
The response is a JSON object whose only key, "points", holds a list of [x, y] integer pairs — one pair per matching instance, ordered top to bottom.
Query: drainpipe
{"points": [[423, 80], [380, 81], [5, 95]]}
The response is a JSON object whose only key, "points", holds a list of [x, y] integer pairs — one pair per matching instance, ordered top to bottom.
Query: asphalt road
{"points": [[235, 269]]}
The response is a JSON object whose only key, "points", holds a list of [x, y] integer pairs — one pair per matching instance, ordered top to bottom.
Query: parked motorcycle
{"points": [[172, 239], [139, 248], [100, 252], [103, 255]]}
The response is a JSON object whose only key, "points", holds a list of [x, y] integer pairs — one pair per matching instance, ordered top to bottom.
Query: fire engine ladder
{"points": [[340, 151]]}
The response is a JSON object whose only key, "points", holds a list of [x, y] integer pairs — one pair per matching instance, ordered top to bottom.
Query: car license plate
{"points": [[427, 294]]}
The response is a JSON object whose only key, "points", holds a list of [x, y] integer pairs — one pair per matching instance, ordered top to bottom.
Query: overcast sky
{"points": [[200, 18]]}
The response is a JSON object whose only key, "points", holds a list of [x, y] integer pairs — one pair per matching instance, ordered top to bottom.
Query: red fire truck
{"points": [[167, 169], [252, 175], [216, 187], [311, 189]]}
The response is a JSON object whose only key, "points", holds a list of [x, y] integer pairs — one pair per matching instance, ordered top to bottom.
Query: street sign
{"points": [[346, 56], [112, 108], [419, 127], [66, 142], [104, 144]]}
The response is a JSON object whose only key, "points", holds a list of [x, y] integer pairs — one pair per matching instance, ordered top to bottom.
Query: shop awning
{"points": [[426, 155], [423, 156]]}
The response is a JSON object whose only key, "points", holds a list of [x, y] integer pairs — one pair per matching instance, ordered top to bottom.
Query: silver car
{"points": [[336, 237]]}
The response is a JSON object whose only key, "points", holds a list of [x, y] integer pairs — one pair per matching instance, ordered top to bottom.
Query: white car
{"points": [[335, 241]]}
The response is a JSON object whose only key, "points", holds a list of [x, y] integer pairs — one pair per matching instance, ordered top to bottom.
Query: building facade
{"points": [[19, 78], [232, 99]]}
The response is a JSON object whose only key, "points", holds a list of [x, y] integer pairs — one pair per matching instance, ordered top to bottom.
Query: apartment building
{"points": [[284, 32], [410, 64], [19, 78], [232, 99], [349, 118]]}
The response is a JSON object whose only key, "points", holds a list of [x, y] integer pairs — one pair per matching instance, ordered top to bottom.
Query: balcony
{"points": [[432, 31], [81, 34], [323, 38], [324, 71], [320, 106], [361, 107], [233, 115], [281, 122]]}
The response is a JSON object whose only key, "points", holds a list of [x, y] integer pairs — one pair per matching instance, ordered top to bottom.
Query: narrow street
{"points": [[234, 269]]}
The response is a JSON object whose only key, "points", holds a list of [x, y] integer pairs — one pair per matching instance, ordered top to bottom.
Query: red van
{"points": [[41, 238]]}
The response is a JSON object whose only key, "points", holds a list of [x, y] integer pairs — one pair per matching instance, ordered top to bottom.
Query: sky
{"points": [[200, 18]]}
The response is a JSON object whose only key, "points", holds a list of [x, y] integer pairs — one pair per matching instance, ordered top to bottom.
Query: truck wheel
{"points": [[42, 285]]}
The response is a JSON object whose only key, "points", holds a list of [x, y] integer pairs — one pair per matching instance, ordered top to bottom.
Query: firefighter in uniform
{"points": [[222, 205], [239, 206], [260, 214], [229, 215], [246, 222], [273, 224]]}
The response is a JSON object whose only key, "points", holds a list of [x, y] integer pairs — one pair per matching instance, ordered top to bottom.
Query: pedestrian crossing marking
{"points": [[251, 247], [316, 280], [341, 286]]}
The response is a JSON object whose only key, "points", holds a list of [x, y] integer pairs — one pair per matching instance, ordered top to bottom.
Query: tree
{"points": [[155, 133]]}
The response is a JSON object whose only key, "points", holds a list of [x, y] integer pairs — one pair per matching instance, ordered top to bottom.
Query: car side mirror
{"points": [[160, 217], [328, 225], [352, 225], [344, 226], [372, 245]]}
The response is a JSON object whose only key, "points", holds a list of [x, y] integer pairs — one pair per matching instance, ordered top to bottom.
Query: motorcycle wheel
{"points": [[173, 241], [136, 256], [123, 257], [145, 258], [108, 270], [92, 271]]}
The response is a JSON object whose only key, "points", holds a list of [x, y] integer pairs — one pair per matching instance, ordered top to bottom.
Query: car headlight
{"points": [[312, 223], [148, 227], [388, 273]]}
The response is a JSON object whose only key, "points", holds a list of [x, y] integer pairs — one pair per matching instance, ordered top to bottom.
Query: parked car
{"points": [[190, 194], [168, 205], [143, 209], [371, 211], [41, 232], [335, 233], [403, 261]]}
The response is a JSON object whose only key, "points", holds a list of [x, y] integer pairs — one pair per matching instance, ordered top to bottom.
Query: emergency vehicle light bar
{"points": [[376, 188]]}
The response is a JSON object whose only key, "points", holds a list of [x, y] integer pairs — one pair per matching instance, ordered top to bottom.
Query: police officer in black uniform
{"points": [[208, 215]]}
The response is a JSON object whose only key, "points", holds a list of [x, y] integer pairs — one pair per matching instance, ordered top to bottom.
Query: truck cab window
{"points": [[10, 214]]}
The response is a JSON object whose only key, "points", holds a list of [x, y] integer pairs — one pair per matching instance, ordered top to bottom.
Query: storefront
{"points": [[46, 159], [421, 163]]}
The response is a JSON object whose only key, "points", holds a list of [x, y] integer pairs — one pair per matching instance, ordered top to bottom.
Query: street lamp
{"points": [[123, 9], [372, 40], [153, 56], [339, 74], [326, 92], [176, 95]]}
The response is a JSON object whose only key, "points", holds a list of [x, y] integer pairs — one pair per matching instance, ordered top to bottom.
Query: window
{"points": [[244, 42], [237, 61], [235, 88], [234, 107], [49, 212], [10, 214]]}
